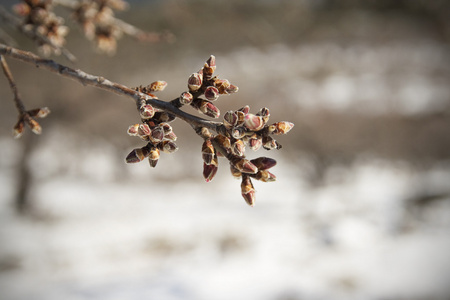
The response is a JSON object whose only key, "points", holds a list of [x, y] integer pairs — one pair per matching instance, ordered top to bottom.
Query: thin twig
{"points": [[105, 84], [19, 104]]}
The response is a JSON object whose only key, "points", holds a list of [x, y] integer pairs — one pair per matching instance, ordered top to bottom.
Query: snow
{"points": [[149, 238]]}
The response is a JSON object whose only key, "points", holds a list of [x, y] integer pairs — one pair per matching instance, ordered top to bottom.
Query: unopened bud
{"points": [[210, 67], [195, 82], [222, 85], [157, 86], [231, 89], [211, 93], [186, 98], [206, 107], [245, 109], [147, 111], [39, 112], [264, 113], [162, 116], [240, 117], [230, 119], [253, 122], [34, 125], [281, 127], [166, 128], [18, 129], [133, 130], [144, 130], [238, 132], [157, 135], [171, 136], [223, 141], [255, 142], [269, 143], [167, 146], [238, 148], [208, 151], [136, 155], [153, 157], [264, 163], [244, 165], [209, 171], [235, 172], [265, 176], [248, 191]]}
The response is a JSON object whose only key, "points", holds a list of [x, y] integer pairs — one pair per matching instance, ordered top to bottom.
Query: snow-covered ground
{"points": [[146, 237]]}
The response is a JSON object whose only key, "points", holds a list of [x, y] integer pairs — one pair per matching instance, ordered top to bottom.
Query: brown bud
{"points": [[209, 67], [195, 82], [222, 85], [157, 86], [231, 89], [211, 93], [186, 98], [206, 107], [245, 109], [146, 111], [39, 112], [264, 113], [162, 116], [240, 117], [230, 119], [253, 122], [34, 125], [166, 127], [281, 127], [18, 129], [144, 130], [238, 132], [205, 133], [157, 135], [170, 136], [223, 141], [255, 142], [269, 143], [167, 146], [238, 148], [208, 151], [136, 155], [153, 157], [264, 163], [244, 165], [209, 171], [265, 176], [248, 191]]}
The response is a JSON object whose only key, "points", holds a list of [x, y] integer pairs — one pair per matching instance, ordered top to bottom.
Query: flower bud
{"points": [[209, 67], [195, 82], [222, 85], [157, 86], [231, 89], [211, 93], [186, 98], [206, 107], [245, 109], [147, 111], [39, 112], [264, 113], [162, 116], [240, 117], [230, 119], [253, 122], [34, 125], [166, 127], [281, 127], [18, 129], [133, 130], [144, 130], [238, 132], [157, 135], [170, 136], [223, 141], [255, 142], [269, 143], [167, 147], [238, 148], [208, 151], [136, 155], [153, 157], [264, 163], [244, 165], [209, 171], [235, 172], [265, 176], [248, 191]]}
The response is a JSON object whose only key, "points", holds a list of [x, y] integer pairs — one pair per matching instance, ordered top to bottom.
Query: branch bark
{"points": [[105, 84]]}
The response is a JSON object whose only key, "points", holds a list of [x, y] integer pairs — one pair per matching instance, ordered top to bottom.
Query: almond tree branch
{"points": [[105, 84]]}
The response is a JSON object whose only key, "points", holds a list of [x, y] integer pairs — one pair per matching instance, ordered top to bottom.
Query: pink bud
{"points": [[195, 82], [157, 86], [231, 89], [211, 93], [186, 98], [147, 111], [230, 119], [253, 122], [133, 130], [144, 130], [238, 148], [209, 171], [248, 191]]}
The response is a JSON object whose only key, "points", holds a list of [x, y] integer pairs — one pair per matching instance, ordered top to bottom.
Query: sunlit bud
{"points": [[210, 67], [195, 82], [222, 85], [157, 86], [231, 89], [211, 93], [186, 98], [206, 107], [245, 109], [146, 111], [39, 112], [264, 113], [240, 117], [230, 119], [253, 122], [34, 125], [281, 127], [166, 128], [18, 129], [133, 130], [144, 130], [238, 132], [205, 133], [157, 135], [170, 136], [223, 141], [255, 142], [269, 143], [167, 146], [238, 148], [207, 151], [137, 155], [153, 157], [264, 163], [244, 165], [209, 171], [235, 172], [265, 176], [248, 191]]}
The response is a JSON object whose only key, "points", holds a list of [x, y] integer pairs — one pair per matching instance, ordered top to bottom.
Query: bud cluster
{"points": [[96, 17], [40, 19], [205, 88], [28, 117], [154, 129], [239, 129]]}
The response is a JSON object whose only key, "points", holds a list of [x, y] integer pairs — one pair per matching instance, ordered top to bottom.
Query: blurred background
{"points": [[361, 206]]}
